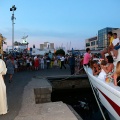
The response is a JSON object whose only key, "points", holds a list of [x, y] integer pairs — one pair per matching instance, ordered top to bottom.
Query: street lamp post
{"points": [[13, 8]]}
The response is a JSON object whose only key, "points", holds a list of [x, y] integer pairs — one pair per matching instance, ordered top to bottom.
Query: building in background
{"points": [[102, 37], [92, 43], [46, 45], [51, 45], [41, 46], [18, 47], [44, 48]]}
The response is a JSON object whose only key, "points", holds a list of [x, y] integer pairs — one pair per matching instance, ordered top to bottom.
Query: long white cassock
{"points": [[3, 97]]}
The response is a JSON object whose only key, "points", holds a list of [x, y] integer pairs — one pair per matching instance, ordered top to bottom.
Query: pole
{"points": [[13, 8], [13, 31]]}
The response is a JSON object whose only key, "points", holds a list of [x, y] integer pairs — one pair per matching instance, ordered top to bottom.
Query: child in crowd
{"points": [[102, 74], [117, 75]]}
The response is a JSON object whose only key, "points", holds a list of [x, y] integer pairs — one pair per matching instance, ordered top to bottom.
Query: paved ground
{"points": [[20, 80], [43, 111]]}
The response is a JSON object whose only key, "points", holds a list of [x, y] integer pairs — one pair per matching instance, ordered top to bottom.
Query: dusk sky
{"points": [[58, 21]]}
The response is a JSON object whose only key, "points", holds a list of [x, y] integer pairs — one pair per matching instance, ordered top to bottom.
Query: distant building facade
{"points": [[92, 43], [47, 45], [18, 47]]}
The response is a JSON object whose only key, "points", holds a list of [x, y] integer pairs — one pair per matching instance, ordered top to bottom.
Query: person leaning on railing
{"points": [[87, 57]]}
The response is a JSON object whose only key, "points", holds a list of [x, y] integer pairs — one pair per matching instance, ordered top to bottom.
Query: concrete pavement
{"points": [[20, 80], [42, 111]]}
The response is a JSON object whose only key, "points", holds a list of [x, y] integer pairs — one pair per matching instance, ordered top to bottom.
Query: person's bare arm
{"points": [[116, 44], [111, 46], [107, 69]]}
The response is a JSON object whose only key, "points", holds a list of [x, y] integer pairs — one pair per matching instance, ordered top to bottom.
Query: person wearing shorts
{"points": [[116, 45]]}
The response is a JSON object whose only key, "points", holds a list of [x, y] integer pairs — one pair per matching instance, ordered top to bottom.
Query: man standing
{"points": [[116, 45], [109, 48], [87, 57], [62, 59], [48, 61], [72, 64]]}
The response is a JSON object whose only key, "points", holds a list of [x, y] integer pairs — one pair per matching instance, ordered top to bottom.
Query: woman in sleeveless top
{"points": [[10, 68], [109, 69], [117, 75]]}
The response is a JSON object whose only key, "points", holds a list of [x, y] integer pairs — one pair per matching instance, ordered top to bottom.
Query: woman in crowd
{"points": [[42, 62], [36, 63], [110, 65], [10, 68], [96, 68], [109, 69], [102, 74], [117, 75], [3, 98]]}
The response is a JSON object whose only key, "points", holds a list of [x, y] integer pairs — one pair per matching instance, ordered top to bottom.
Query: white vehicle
{"points": [[107, 93]]}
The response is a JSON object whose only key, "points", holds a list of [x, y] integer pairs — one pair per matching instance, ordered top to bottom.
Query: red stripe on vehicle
{"points": [[113, 104]]}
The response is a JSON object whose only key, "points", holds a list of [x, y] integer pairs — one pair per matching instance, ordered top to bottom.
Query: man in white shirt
{"points": [[116, 45], [62, 62]]}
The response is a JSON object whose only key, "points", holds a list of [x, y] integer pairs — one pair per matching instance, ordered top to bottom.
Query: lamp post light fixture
{"points": [[13, 8]]}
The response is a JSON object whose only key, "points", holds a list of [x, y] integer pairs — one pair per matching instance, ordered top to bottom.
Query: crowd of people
{"points": [[34, 63], [104, 68]]}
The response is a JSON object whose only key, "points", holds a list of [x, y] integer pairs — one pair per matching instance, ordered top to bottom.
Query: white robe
{"points": [[3, 98]]}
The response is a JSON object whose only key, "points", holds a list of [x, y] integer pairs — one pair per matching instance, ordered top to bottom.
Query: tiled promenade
{"points": [[20, 80]]}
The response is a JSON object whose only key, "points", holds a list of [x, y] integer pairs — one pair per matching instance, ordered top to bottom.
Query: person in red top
{"points": [[87, 57], [36, 63]]}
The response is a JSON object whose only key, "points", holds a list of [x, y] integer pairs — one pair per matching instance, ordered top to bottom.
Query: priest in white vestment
{"points": [[3, 97]]}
